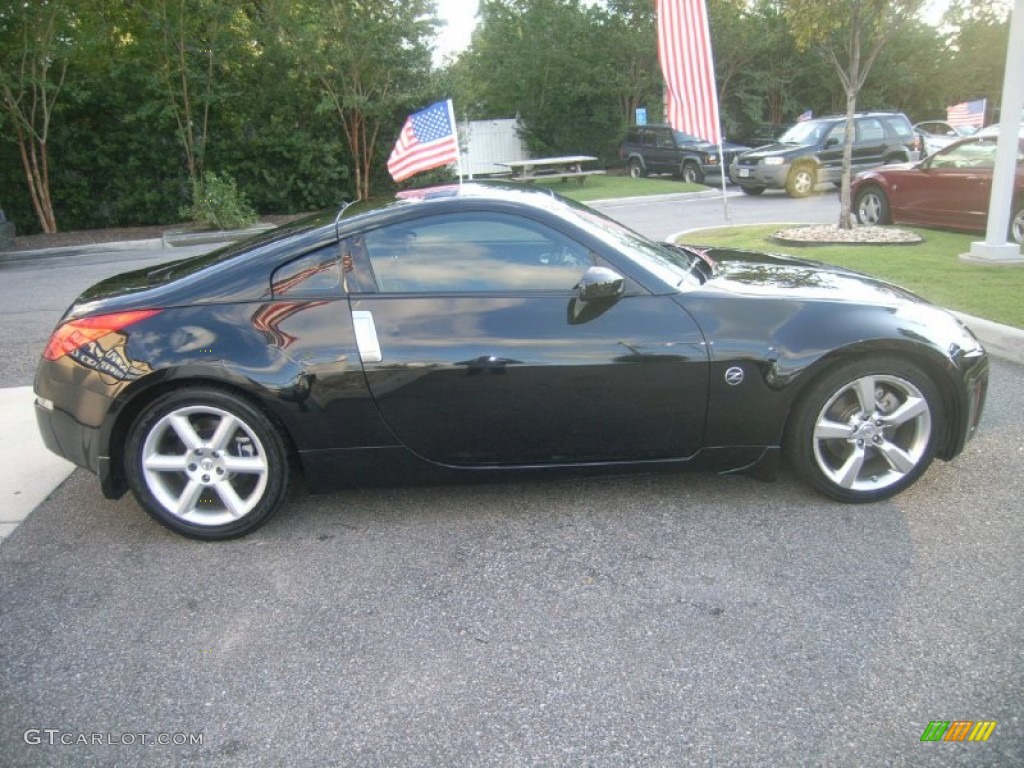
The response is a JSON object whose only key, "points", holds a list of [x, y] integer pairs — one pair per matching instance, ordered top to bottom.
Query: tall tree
{"points": [[978, 33], [849, 34], [195, 42], [36, 44], [631, 44], [371, 61]]}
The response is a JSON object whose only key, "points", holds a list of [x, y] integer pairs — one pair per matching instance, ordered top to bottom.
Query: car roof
{"points": [[994, 129], [507, 193]]}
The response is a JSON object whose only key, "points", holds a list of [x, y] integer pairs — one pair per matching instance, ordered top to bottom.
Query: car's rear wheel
{"points": [[636, 169], [692, 173], [802, 180], [752, 191], [872, 206], [1017, 224], [866, 430], [206, 463]]}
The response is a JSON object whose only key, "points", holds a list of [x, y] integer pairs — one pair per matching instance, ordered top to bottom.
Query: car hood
{"points": [[727, 146], [778, 149], [749, 273]]}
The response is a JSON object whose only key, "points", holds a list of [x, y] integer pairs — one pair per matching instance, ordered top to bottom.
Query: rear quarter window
{"points": [[900, 126]]}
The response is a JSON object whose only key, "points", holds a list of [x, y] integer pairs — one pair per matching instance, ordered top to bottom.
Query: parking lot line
{"points": [[28, 471]]}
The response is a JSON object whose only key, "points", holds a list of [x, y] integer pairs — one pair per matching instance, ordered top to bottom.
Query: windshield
{"points": [[808, 133], [685, 138], [671, 265]]}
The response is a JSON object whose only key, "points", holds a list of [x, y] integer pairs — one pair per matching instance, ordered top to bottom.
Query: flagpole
{"points": [[455, 132], [725, 174]]}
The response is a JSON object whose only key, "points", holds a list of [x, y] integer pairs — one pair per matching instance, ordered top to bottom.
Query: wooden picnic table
{"points": [[564, 168]]}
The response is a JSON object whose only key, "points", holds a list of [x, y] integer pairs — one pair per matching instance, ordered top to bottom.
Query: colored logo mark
{"points": [[958, 730]]}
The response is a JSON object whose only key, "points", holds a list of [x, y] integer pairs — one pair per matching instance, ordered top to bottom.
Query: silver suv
{"points": [[811, 152]]}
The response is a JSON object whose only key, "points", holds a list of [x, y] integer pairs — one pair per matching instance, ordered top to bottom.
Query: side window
{"points": [[900, 127], [870, 131], [836, 135], [648, 138], [665, 140], [970, 155], [474, 252], [314, 275]]}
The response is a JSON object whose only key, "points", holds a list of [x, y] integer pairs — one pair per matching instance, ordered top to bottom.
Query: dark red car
{"points": [[949, 189]]}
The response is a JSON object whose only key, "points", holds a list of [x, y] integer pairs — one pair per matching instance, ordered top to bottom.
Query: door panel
{"points": [[473, 380]]}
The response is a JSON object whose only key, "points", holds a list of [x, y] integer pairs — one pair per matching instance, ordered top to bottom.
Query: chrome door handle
{"points": [[366, 336]]}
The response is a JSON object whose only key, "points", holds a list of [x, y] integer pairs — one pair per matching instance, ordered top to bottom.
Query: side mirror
{"points": [[600, 283]]}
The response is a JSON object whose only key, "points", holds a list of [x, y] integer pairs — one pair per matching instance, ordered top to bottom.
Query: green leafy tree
{"points": [[849, 35], [36, 45], [631, 46], [976, 50], [370, 61], [556, 73]]}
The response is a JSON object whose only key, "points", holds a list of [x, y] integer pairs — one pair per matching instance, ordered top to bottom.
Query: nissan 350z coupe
{"points": [[486, 329]]}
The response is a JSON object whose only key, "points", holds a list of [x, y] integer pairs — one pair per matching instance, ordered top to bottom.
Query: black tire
{"points": [[636, 169], [692, 173], [802, 180], [752, 191], [872, 206], [1016, 234], [860, 452], [216, 467]]}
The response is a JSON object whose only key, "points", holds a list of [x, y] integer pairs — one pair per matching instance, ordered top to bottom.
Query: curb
{"points": [[170, 239], [1002, 341]]}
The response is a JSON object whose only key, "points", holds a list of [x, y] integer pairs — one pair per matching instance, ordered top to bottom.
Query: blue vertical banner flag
{"points": [[684, 50], [428, 140]]}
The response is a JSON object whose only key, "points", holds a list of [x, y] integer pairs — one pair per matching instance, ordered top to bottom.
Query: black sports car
{"points": [[475, 329]]}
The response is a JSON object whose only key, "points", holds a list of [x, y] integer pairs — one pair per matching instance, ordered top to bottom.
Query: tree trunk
{"points": [[35, 161]]}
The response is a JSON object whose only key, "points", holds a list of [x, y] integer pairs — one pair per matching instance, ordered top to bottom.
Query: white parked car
{"points": [[936, 134]]}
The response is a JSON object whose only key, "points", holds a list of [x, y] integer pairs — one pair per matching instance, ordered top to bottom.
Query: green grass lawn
{"points": [[609, 186], [931, 269]]}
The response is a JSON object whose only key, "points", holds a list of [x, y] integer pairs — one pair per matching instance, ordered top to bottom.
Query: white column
{"points": [[996, 248]]}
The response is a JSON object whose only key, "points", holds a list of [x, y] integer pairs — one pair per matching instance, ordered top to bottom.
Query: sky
{"points": [[460, 19]]}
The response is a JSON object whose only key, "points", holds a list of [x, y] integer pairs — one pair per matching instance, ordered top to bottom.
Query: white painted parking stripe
{"points": [[28, 471]]}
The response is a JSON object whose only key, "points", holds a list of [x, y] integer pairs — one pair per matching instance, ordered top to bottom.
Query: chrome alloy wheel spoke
{"points": [[872, 433], [189, 466]]}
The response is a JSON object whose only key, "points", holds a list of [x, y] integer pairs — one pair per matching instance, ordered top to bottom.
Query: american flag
{"points": [[684, 49], [966, 114], [428, 140]]}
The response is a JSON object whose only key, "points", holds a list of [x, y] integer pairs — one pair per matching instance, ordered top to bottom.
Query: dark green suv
{"points": [[658, 148], [811, 152]]}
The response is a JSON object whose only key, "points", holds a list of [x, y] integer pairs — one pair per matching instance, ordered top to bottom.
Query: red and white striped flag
{"points": [[684, 49], [428, 140]]}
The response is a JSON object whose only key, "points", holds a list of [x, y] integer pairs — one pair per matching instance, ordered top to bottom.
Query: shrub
{"points": [[217, 202]]}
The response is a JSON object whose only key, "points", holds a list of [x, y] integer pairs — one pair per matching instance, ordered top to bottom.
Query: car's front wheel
{"points": [[802, 180], [752, 191], [871, 206], [866, 429], [206, 463]]}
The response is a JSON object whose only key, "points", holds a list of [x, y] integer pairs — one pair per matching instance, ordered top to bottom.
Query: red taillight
{"points": [[71, 335]]}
